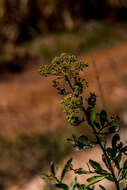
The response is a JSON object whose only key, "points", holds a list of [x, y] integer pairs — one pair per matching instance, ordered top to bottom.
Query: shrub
{"points": [[71, 86]]}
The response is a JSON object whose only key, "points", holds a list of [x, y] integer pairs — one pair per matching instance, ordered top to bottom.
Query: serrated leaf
{"points": [[83, 139], [66, 168], [95, 179], [73, 184], [61, 186], [102, 187]]}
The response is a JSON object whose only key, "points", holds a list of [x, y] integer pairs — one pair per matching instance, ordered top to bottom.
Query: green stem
{"points": [[98, 140], [104, 151], [108, 159]]}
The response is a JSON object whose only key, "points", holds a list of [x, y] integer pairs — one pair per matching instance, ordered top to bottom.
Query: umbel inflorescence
{"points": [[66, 68], [71, 86]]}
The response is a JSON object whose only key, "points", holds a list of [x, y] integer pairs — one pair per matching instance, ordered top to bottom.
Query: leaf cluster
{"points": [[71, 86]]}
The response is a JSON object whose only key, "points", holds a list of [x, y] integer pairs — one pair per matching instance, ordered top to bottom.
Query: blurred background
{"points": [[31, 120]]}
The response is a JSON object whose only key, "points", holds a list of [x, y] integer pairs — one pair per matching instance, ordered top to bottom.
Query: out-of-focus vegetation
{"points": [[20, 20], [23, 21], [97, 35], [90, 37], [26, 155]]}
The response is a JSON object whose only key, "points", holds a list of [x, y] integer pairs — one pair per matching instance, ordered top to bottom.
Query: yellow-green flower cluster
{"points": [[65, 65], [67, 68], [71, 105]]}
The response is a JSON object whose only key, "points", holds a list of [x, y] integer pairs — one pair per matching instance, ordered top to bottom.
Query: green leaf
{"points": [[91, 114], [114, 128], [83, 139], [115, 139], [124, 150], [110, 152], [119, 157], [117, 160], [105, 161], [95, 165], [125, 165], [52, 168], [66, 168], [81, 171], [124, 172], [110, 178], [95, 179], [122, 180], [73, 184], [62, 186], [83, 187], [102, 187], [125, 188]]}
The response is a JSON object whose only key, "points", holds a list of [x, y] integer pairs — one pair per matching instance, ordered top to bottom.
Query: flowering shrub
{"points": [[71, 86]]}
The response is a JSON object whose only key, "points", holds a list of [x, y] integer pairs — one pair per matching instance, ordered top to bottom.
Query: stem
{"points": [[67, 79], [98, 141], [104, 151], [108, 159], [57, 180]]}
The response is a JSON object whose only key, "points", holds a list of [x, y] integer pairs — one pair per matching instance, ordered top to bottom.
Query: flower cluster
{"points": [[65, 65], [69, 84], [72, 105]]}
